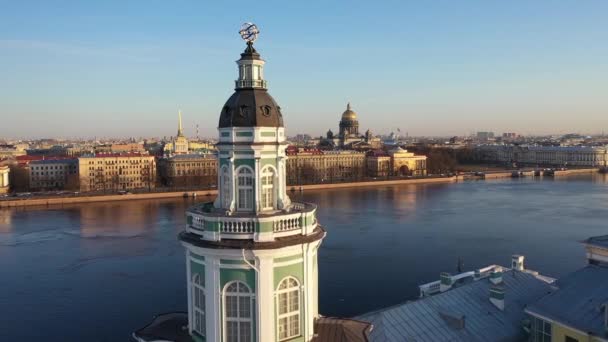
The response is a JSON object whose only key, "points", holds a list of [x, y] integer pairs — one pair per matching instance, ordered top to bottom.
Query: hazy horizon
{"points": [[430, 69]]}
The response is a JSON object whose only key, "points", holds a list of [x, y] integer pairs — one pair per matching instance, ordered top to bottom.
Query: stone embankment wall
{"points": [[574, 172], [373, 183], [159, 195]]}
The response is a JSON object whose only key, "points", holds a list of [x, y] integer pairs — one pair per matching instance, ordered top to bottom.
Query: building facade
{"points": [[556, 156], [404, 163], [378, 164], [312, 166], [188, 170], [113, 172], [53, 174], [4, 179], [252, 254]]}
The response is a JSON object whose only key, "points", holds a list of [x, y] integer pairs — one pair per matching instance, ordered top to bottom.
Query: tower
{"points": [[349, 125], [180, 143], [252, 253]]}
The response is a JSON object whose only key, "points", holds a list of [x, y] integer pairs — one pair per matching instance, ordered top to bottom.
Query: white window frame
{"points": [[268, 193], [247, 197], [198, 291], [288, 291], [239, 320]]}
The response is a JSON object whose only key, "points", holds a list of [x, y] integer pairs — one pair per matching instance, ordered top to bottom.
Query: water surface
{"points": [[97, 272]]}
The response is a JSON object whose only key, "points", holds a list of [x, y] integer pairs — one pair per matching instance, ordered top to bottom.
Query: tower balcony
{"points": [[248, 83], [212, 224]]}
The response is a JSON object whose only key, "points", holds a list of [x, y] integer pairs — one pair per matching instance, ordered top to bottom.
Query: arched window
{"points": [[226, 188], [267, 188], [245, 189], [198, 307], [288, 307], [238, 316]]}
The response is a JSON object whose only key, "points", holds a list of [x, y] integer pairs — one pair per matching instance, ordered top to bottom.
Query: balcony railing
{"points": [[207, 221], [237, 227]]}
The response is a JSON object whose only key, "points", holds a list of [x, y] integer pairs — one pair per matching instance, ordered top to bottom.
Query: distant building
{"points": [[348, 136], [485, 136], [180, 143], [127, 148], [11, 151], [77, 151], [562, 156], [395, 162], [404, 163], [378, 164], [309, 166], [188, 170], [112, 172], [53, 174], [4, 179]]}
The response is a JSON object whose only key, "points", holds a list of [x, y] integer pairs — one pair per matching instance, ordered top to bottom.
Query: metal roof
{"points": [[599, 241], [578, 302], [436, 318]]}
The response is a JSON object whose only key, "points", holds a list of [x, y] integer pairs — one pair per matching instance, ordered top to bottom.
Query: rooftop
{"points": [[598, 241], [579, 302], [464, 313]]}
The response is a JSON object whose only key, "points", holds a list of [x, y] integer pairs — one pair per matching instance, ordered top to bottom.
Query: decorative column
{"points": [[233, 182], [257, 185], [265, 308]]}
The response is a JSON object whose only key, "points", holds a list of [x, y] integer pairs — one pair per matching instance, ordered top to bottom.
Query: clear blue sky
{"points": [[124, 68]]}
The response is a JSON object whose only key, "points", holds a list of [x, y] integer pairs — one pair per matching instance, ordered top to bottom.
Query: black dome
{"points": [[251, 108]]}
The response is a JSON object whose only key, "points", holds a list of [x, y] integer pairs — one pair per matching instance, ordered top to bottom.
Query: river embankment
{"points": [[22, 202]]}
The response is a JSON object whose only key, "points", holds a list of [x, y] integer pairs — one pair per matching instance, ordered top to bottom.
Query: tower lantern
{"points": [[252, 253]]}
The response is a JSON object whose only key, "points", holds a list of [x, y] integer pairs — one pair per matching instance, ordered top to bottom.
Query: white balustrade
{"points": [[286, 224], [236, 227]]}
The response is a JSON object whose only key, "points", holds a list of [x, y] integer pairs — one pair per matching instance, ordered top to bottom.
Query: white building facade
{"points": [[565, 156], [4, 179], [252, 254]]}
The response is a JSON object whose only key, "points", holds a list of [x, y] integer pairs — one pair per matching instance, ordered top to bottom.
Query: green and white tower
{"points": [[252, 254]]}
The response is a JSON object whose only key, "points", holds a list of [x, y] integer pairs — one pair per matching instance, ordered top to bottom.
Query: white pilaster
{"points": [[233, 181], [257, 189], [189, 290], [213, 292], [266, 299]]}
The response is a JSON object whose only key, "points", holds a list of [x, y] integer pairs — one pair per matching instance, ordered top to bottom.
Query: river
{"points": [[97, 272]]}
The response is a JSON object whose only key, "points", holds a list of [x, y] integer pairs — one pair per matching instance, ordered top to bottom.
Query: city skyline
{"points": [[85, 70]]}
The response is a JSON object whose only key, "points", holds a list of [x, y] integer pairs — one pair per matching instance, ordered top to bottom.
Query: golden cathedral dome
{"points": [[349, 115]]}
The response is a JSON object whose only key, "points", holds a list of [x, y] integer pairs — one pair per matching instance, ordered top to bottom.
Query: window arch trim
{"points": [[245, 181], [240, 303], [288, 308], [199, 320]]}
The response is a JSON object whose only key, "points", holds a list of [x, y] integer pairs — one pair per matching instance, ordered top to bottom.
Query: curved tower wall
{"points": [[252, 238]]}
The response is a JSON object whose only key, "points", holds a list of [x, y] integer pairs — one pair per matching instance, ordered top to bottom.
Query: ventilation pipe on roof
{"points": [[517, 262], [496, 276], [445, 282], [497, 296], [606, 318]]}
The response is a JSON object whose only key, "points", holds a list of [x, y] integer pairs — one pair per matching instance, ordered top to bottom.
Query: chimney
{"points": [[517, 262], [496, 276], [445, 282], [497, 296], [605, 306]]}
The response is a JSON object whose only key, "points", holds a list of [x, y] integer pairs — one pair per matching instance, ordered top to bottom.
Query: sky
{"points": [[124, 68]]}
